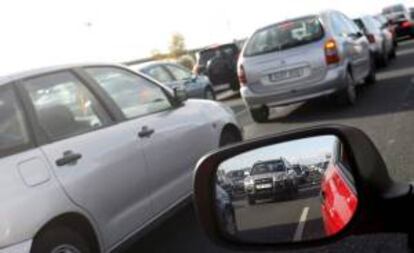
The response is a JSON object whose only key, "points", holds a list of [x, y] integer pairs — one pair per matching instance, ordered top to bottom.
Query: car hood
{"points": [[266, 175]]}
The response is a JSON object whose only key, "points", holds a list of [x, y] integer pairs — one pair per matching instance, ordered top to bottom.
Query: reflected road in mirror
{"points": [[298, 190]]}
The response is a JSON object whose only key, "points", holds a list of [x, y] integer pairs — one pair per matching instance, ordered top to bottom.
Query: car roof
{"points": [[41, 71]]}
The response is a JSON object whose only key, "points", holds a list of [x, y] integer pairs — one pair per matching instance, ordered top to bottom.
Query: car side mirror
{"points": [[180, 95], [277, 212]]}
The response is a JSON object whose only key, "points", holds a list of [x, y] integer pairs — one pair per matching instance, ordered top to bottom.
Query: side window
{"points": [[349, 27], [179, 73], [159, 74], [134, 95], [64, 106], [13, 132]]}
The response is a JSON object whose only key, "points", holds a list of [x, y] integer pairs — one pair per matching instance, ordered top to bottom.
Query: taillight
{"points": [[406, 24], [371, 38], [331, 52], [196, 69], [242, 76]]}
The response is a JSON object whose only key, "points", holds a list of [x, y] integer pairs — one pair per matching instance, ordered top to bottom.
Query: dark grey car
{"points": [[175, 75]]}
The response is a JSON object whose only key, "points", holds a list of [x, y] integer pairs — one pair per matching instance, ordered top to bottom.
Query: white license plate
{"points": [[286, 75], [263, 186]]}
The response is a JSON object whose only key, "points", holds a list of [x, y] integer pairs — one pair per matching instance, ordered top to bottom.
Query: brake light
{"points": [[406, 24], [371, 38], [331, 52], [242, 76]]}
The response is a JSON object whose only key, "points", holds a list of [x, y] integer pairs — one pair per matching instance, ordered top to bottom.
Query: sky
{"points": [[40, 33], [312, 149]]}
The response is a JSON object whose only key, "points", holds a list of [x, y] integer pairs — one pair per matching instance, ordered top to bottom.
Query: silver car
{"points": [[380, 39], [304, 58], [175, 75], [90, 155]]}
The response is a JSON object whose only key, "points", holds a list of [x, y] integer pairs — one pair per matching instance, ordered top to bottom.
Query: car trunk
{"points": [[286, 70]]}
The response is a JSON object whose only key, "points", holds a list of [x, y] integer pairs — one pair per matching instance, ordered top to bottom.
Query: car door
{"points": [[360, 48], [185, 78], [174, 137], [100, 165]]}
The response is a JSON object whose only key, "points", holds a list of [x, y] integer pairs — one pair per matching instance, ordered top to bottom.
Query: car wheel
{"points": [[393, 53], [384, 60], [372, 77], [235, 85], [209, 94], [348, 95], [260, 115], [229, 137], [251, 201], [230, 222], [60, 240]]}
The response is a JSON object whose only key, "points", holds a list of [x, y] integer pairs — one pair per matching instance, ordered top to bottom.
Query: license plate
{"points": [[286, 75], [264, 186]]}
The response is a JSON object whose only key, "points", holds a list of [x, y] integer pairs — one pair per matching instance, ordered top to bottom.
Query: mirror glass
{"points": [[298, 190]]}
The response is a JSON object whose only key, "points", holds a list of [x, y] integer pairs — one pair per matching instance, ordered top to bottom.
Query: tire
{"points": [[393, 54], [383, 61], [372, 77], [235, 85], [209, 94], [348, 95], [260, 115], [229, 137], [251, 201], [230, 222], [60, 239]]}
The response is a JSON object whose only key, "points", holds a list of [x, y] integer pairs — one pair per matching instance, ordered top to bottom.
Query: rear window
{"points": [[392, 9], [284, 35], [206, 55], [13, 131], [268, 167]]}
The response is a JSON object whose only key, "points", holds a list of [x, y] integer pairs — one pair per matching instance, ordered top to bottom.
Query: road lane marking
{"points": [[301, 225]]}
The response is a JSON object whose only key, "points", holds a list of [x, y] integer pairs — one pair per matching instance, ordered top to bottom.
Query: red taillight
{"points": [[406, 24], [371, 38], [331, 52], [196, 69], [242, 76]]}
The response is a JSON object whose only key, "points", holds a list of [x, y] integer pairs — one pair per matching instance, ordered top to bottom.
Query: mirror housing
{"points": [[180, 95], [372, 182]]}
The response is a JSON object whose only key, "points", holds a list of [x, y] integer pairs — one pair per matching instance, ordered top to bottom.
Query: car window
{"points": [[360, 24], [371, 25], [350, 27], [284, 35], [179, 73], [159, 74], [135, 95], [64, 106], [13, 132]]}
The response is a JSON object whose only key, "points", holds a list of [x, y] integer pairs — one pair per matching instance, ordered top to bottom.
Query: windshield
{"points": [[393, 9], [284, 35], [268, 167]]}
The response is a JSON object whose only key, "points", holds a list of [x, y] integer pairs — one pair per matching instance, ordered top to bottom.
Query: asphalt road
{"points": [[384, 111], [294, 218]]}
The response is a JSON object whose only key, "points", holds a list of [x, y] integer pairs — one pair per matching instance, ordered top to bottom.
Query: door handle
{"points": [[145, 132], [68, 158]]}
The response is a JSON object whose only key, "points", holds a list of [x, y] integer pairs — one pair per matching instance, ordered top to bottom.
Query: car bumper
{"points": [[404, 31], [333, 81], [269, 193], [23, 247]]}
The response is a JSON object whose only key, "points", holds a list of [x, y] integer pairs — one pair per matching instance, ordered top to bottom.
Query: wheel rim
{"points": [[65, 248]]}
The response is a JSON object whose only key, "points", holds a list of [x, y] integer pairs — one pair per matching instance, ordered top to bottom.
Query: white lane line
{"points": [[301, 225]]}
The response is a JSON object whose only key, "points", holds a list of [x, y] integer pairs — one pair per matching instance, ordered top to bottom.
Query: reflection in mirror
{"points": [[298, 190]]}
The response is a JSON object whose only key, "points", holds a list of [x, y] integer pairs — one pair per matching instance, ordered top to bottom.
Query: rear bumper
{"points": [[404, 31], [333, 81], [23, 247]]}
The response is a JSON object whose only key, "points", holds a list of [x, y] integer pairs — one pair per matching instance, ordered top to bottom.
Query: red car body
{"points": [[339, 199]]}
